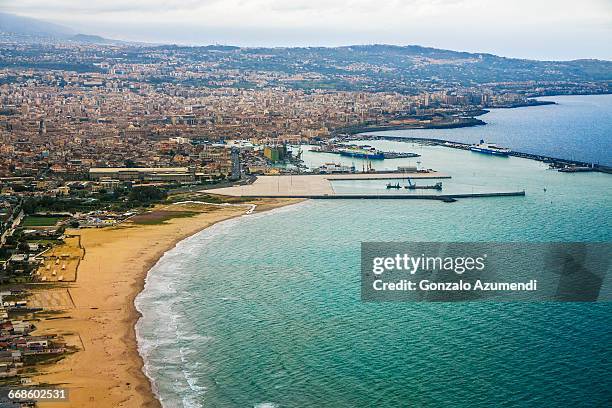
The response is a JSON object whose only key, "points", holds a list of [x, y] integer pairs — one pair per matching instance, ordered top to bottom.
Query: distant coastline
{"points": [[530, 102], [469, 119], [460, 122], [539, 152]]}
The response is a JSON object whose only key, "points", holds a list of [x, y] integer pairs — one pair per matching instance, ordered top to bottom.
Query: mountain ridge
{"points": [[14, 24], [33, 28], [377, 67]]}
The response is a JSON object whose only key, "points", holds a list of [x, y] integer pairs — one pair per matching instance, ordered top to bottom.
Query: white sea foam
{"points": [[229, 299], [159, 328]]}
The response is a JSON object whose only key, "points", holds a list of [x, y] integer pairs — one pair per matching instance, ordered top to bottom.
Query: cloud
{"points": [[103, 7]]}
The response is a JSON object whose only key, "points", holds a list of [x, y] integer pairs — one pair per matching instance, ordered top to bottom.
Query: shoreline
{"points": [[468, 119], [357, 129], [141, 342], [108, 369]]}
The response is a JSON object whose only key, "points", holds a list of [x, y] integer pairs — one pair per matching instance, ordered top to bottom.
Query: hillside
{"points": [[357, 67]]}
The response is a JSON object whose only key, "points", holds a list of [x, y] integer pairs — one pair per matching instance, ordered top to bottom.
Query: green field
{"points": [[160, 217], [40, 221]]}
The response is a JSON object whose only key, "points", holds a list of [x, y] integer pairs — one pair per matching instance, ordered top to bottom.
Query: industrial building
{"points": [[178, 174]]}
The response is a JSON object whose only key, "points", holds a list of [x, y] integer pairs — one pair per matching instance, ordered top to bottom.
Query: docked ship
{"points": [[490, 148], [362, 153], [413, 186]]}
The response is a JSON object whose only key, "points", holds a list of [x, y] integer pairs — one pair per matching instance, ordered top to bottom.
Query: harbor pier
{"points": [[310, 185], [319, 186]]}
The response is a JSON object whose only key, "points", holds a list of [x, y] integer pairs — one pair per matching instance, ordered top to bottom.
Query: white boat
{"points": [[490, 148]]}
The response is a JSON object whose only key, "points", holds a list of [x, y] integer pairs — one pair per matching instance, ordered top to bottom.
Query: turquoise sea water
{"points": [[265, 310]]}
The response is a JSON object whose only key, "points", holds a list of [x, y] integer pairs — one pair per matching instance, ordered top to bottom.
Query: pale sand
{"points": [[309, 185], [107, 371]]}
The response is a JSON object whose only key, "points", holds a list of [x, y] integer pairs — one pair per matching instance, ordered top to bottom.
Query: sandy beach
{"points": [[107, 369]]}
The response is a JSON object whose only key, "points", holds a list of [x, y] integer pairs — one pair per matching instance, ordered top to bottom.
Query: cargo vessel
{"points": [[362, 153], [413, 186]]}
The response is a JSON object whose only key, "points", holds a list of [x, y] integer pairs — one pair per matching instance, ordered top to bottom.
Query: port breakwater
{"points": [[554, 161], [397, 175], [440, 197]]}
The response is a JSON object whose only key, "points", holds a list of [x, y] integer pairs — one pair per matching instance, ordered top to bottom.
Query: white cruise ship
{"points": [[489, 148]]}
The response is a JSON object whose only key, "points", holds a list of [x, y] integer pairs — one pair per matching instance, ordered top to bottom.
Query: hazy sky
{"points": [[541, 29]]}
